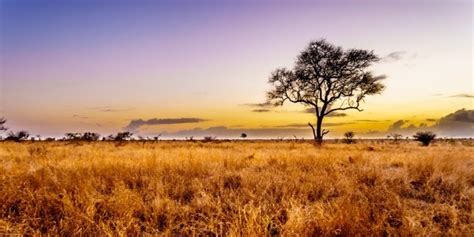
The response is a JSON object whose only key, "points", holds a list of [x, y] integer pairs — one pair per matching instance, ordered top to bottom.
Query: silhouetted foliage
{"points": [[328, 79], [2, 124], [243, 135], [18, 136], [72, 136], [90, 136], [123, 136], [395, 136], [349, 137], [425, 137], [157, 138], [209, 138]]}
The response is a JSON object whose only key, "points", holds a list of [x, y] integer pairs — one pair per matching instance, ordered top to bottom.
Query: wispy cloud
{"points": [[394, 56], [465, 95], [260, 107], [109, 109], [261, 110], [333, 114], [79, 116], [135, 124], [303, 125]]}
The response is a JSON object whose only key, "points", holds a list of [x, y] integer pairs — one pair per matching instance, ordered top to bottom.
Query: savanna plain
{"points": [[237, 188]]}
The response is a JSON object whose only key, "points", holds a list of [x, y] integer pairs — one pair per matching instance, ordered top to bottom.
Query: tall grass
{"points": [[236, 189]]}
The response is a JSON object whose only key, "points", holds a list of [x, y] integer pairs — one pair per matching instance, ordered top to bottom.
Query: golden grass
{"points": [[236, 189]]}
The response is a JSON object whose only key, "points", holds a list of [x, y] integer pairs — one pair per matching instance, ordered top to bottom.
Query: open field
{"points": [[237, 188]]}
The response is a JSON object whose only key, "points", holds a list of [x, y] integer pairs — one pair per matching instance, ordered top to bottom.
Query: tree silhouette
{"points": [[328, 79], [2, 124], [18, 136], [123, 136], [349, 137], [424, 137]]}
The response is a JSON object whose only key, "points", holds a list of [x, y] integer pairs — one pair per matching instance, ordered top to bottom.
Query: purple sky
{"points": [[97, 65]]}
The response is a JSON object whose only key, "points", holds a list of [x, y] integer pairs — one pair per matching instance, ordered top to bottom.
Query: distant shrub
{"points": [[2, 122], [243, 135], [18, 136], [87, 136], [90, 136], [122, 136], [349, 137], [396, 137], [425, 137], [209, 138]]}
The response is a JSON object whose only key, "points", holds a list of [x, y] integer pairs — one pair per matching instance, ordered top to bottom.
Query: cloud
{"points": [[394, 56], [463, 95], [260, 107], [108, 109], [261, 110], [333, 114], [79, 116], [370, 120], [431, 120], [135, 124], [457, 124], [305, 125], [397, 125]]}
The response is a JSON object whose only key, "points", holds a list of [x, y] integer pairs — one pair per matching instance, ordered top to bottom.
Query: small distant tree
{"points": [[328, 79], [2, 125], [243, 135], [18, 136], [72, 136], [90, 136], [123, 136], [349, 137], [396, 137], [425, 137], [157, 138], [209, 138]]}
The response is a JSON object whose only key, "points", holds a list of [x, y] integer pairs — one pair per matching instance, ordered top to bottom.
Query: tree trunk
{"points": [[319, 133]]}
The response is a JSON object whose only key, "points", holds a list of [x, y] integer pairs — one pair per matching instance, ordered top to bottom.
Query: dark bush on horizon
{"points": [[18, 136], [87, 136], [121, 136], [349, 137], [425, 137]]}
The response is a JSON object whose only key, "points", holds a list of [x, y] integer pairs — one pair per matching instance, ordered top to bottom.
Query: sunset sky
{"points": [[201, 67]]}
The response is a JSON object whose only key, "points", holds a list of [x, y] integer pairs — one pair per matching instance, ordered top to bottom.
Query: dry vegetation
{"points": [[236, 188]]}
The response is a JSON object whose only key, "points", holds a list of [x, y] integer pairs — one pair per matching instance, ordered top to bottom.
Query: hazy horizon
{"points": [[182, 68]]}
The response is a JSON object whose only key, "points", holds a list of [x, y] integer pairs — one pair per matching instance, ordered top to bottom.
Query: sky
{"points": [[195, 68]]}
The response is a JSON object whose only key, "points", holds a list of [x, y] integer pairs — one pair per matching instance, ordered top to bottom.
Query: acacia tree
{"points": [[328, 79]]}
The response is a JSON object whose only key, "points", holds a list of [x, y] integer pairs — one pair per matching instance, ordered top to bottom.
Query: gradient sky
{"points": [[84, 65]]}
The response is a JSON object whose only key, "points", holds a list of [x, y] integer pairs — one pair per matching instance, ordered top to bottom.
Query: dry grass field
{"points": [[237, 188]]}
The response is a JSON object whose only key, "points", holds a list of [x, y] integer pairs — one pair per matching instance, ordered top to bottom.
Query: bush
{"points": [[18, 136], [123, 136], [349, 137], [396, 137], [425, 137], [209, 139]]}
